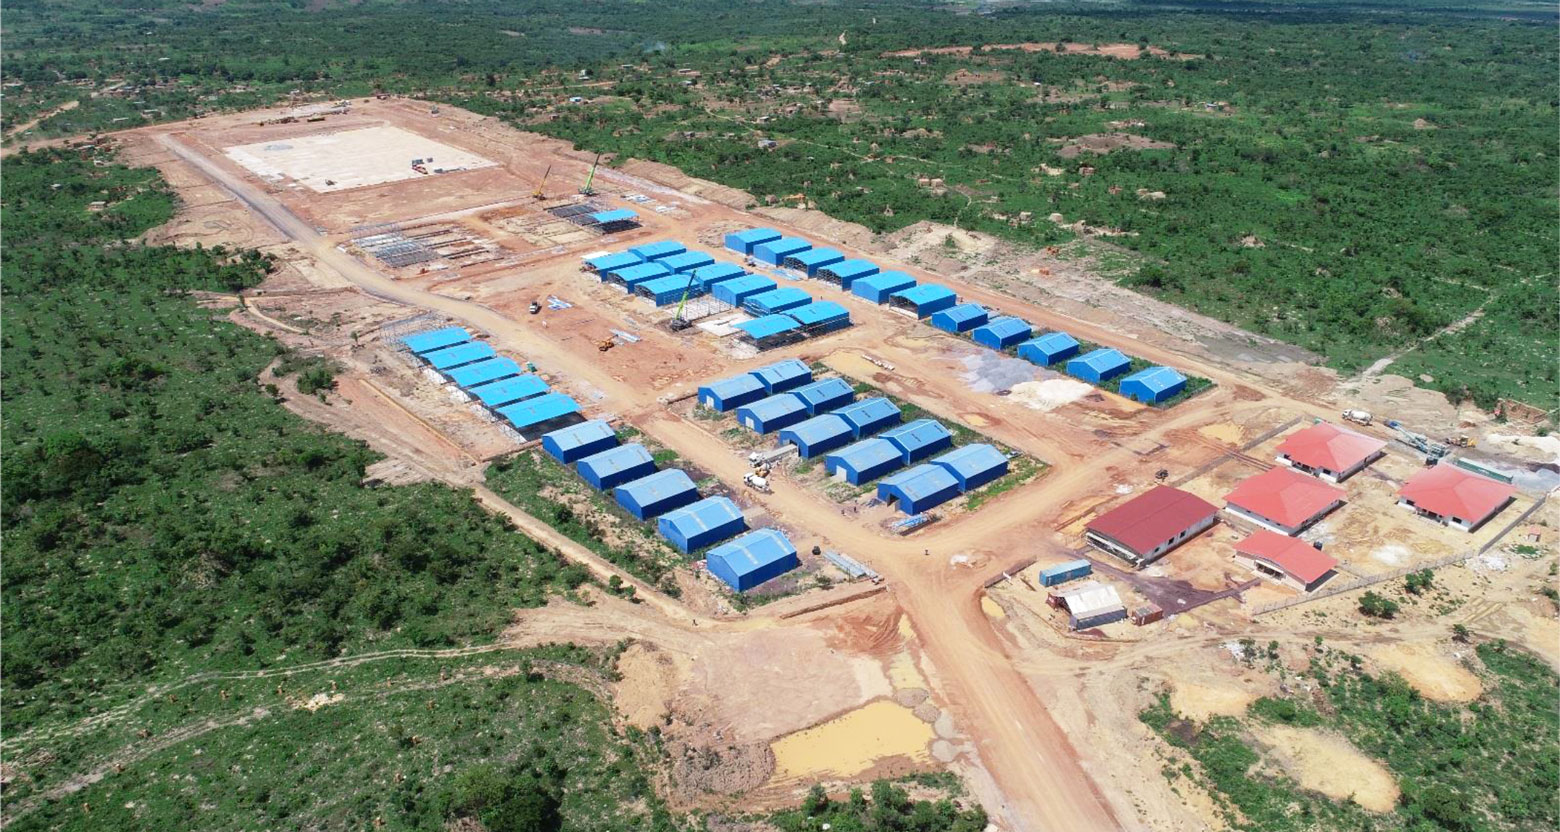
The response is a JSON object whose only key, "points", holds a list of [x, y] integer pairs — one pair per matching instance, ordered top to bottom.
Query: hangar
{"points": [[611, 222], [744, 241], [658, 250], [774, 252], [811, 260], [687, 261], [608, 262], [847, 272], [718, 273], [632, 276], [879, 287], [739, 289], [665, 291], [776, 300], [924, 300], [820, 316], [961, 318], [771, 331], [1001, 333], [425, 342], [1048, 348], [459, 355], [1100, 365], [482, 372], [783, 375], [1153, 385], [729, 393], [496, 394], [825, 395], [541, 414], [769, 415], [869, 416], [817, 435], [920, 439], [579, 441], [1330, 452], [864, 461], [972, 466], [611, 468], [923, 487], [650, 497], [1453, 497], [1285, 501], [701, 524], [1144, 528], [752, 559], [1291, 562]]}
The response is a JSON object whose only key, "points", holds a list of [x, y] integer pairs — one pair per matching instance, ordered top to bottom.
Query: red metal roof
{"points": [[1326, 445], [1452, 492], [1284, 496], [1150, 519], [1289, 554]]}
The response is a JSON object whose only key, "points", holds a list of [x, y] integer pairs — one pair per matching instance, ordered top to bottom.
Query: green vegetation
{"points": [[1378, 606], [1489, 765], [890, 807]]}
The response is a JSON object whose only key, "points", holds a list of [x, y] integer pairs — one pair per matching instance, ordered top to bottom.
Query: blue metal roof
{"points": [[617, 215], [753, 236], [657, 250], [775, 251], [815, 258], [687, 261], [608, 262], [849, 270], [634, 275], [710, 275], [674, 283], [882, 284], [736, 290], [925, 298], [778, 300], [818, 312], [964, 312], [767, 326], [1004, 331], [436, 339], [1052, 343], [458, 355], [1103, 359], [483, 372], [783, 375], [1156, 378], [730, 388], [508, 391], [824, 391], [776, 406], [540, 409], [869, 413], [817, 429], [580, 435], [912, 437], [866, 455], [971, 461], [603, 465], [922, 481], [646, 493], [698, 524], [752, 558]]}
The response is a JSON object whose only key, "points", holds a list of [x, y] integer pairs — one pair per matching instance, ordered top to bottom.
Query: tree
{"points": [[1418, 582], [1377, 606]]}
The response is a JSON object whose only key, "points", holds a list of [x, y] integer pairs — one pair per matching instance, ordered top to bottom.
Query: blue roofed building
{"points": [[618, 219], [745, 241], [658, 250], [774, 252], [811, 260], [687, 261], [608, 262], [720, 272], [847, 272], [632, 276], [878, 287], [737, 290], [665, 291], [777, 300], [924, 300], [820, 316], [961, 318], [770, 331], [1001, 333], [436, 339], [1048, 349], [458, 356], [1100, 365], [482, 372], [783, 375], [1153, 385], [731, 393], [496, 394], [825, 395], [773, 413], [541, 414], [869, 416], [818, 435], [918, 440], [579, 441], [864, 461], [974, 465], [615, 466], [923, 487], [650, 497], [700, 524], [752, 559]]}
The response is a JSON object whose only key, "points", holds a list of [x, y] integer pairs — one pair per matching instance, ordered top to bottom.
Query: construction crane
{"points": [[589, 189], [537, 194], [678, 323], [1433, 451]]}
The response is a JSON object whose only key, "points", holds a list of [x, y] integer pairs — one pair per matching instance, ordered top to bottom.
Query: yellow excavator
{"points": [[537, 194]]}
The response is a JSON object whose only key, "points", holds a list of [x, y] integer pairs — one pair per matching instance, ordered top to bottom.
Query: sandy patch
{"points": [[1102, 143], [1049, 394], [1226, 432], [1392, 554], [992, 608], [903, 674], [1434, 676], [647, 685], [319, 700], [1199, 702], [851, 744], [1330, 765]]}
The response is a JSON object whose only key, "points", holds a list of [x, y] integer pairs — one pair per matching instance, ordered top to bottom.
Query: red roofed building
{"points": [[1327, 451], [1454, 497], [1283, 500], [1144, 528], [1293, 563]]}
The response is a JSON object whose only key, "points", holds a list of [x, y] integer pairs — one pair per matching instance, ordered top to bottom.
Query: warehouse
{"points": [[611, 222], [744, 241], [658, 250], [774, 252], [812, 260], [687, 261], [608, 262], [847, 272], [718, 273], [632, 276], [879, 287], [737, 290], [665, 291], [776, 300], [924, 300], [820, 317], [961, 318], [770, 331], [1003, 332], [425, 342], [1048, 348], [458, 356], [1100, 365], [482, 372], [783, 375], [1153, 385], [729, 393], [496, 394], [825, 395], [541, 414], [769, 415], [869, 416], [818, 435], [920, 439], [579, 441], [1330, 452], [864, 461], [974, 465], [613, 467], [923, 487], [650, 497], [1453, 497], [1283, 500], [700, 524], [1144, 528], [752, 559], [1293, 563], [1064, 572], [1092, 604]]}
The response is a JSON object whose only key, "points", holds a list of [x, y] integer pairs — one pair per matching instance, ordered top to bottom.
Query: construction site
{"points": [[933, 523]]}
